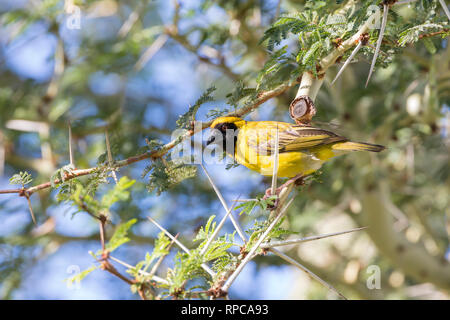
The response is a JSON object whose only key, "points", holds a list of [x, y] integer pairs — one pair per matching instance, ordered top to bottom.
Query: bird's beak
{"points": [[210, 140]]}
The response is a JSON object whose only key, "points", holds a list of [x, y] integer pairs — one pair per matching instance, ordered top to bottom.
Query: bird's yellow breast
{"points": [[302, 149], [290, 164]]}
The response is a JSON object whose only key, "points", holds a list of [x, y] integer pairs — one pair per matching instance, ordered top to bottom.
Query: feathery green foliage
{"points": [[413, 34], [244, 55], [240, 94], [184, 121], [164, 175], [22, 178], [120, 192], [248, 206], [260, 227], [120, 236], [161, 249], [80, 276]]}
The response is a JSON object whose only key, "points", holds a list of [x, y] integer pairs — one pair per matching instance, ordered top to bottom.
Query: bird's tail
{"points": [[358, 146]]}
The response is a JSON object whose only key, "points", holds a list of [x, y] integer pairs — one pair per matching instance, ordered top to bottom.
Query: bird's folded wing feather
{"points": [[291, 138]]}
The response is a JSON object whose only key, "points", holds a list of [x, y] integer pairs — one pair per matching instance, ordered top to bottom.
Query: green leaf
{"points": [[314, 4], [413, 34], [429, 45], [280, 68], [239, 93], [216, 112], [184, 121], [165, 175], [22, 178], [118, 193], [248, 206], [203, 233], [120, 235], [160, 249], [216, 250], [80, 276]]}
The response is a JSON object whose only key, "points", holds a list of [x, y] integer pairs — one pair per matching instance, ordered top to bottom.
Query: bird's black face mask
{"points": [[224, 135]]}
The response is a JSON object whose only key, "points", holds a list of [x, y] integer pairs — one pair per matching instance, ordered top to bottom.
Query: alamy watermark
{"points": [[73, 19], [374, 19], [213, 147], [73, 270], [374, 280]]}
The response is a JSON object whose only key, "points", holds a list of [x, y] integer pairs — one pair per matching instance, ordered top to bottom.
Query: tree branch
{"points": [[310, 84], [262, 97], [411, 258]]}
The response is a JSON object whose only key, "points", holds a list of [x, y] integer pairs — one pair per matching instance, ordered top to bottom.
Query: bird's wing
{"points": [[261, 136]]}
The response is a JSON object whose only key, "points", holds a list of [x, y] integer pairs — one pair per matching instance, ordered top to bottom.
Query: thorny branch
{"points": [[309, 87], [262, 97], [105, 264], [204, 265]]}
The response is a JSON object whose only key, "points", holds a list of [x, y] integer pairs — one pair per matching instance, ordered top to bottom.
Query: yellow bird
{"points": [[301, 149]]}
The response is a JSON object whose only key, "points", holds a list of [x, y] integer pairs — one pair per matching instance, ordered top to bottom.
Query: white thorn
{"points": [[444, 6], [380, 39], [347, 62], [110, 158], [72, 163], [224, 204], [306, 239], [250, 255], [204, 266], [303, 268]]}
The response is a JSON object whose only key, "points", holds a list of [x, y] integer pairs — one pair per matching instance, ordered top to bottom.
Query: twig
{"points": [[128, 24], [172, 31], [432, 34], [151, 51], [331, 58], [309, 86], [30, 208], [87, 210], [306, 239], [252, 251], [106, 265], [204, 266]]}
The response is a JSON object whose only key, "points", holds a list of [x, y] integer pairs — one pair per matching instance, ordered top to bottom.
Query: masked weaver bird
{"points": [[301, 149]]}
